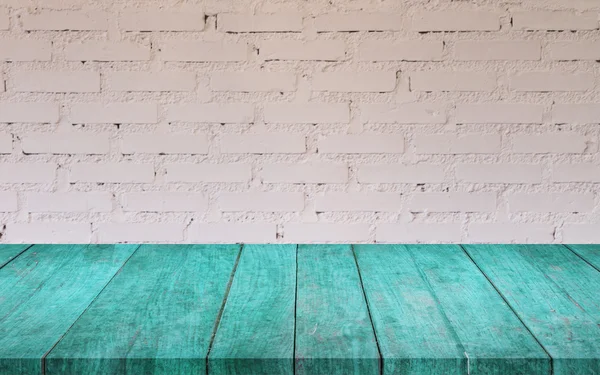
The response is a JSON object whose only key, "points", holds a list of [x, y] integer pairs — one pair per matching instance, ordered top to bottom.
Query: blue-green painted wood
{"points": [[9, 252], [591, 253], [43, 292], [555, 293], [468, 313], [156, 317], [256, 331], [334, 334]]}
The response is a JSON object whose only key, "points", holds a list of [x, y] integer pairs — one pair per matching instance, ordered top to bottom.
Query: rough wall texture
{"points": [[299, 121]]}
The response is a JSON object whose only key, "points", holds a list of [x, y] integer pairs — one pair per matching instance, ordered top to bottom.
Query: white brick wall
{"points": [[390, 121]]}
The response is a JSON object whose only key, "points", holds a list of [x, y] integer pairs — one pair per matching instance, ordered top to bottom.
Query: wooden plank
{"points": [[9, 252], [591, 253], [43, 292], [555, 293], [439, 301], [156, 316], [256, 331], [334, 334]]}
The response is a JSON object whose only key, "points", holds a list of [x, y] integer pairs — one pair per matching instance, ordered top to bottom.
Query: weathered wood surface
{"points": [[9, 252], [591, 253], [43, 292], [555, 293], [156, 317], [256, 331], [334, 334]]}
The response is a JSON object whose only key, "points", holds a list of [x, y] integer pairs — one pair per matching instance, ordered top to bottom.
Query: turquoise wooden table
{"points": [[306, 309]]}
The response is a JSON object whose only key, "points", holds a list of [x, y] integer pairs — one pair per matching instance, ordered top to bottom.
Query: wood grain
{"points": [[9, 252], [591, 253], [43, 292], [555, 293], [155, 317], [256, 331], [334, 334]]}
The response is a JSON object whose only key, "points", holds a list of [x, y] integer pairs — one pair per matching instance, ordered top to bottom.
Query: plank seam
{"points": [[16, 256], [579, 256], [362, 288], [222, 308], [511, 308], [86, 309], [295, 311]]}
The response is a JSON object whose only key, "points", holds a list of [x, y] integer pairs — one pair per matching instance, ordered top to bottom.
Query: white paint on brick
{"points": [[4, 19], [66, 20], [161, 20], [456, 20], [554, 20], [358, 21], [248, 23], [25, 50], [317, 50], [381, 50], [510, 50], [574, 50], [107, 51], [203, 51], [44, 81], [151, 81], [253, 81], [354, 81], [453, 81], [552, 81], [37, 112], [119, 113], [234, 113], [309, 113], [410, 113], [499, 113], [587, 113], [6, 143], [65, 143], [272, 143], [473, 143], [561, 143], [164, 144], [362, 144], [123, 172], [205, 172], [35, 173], [306, 173], [506, 173], [576, 173], [401, 174], [8, 201], [151, 201], [68, 202], [261, 202], [358, 202], [452, 202], [551, 202], [48, 232], [139, 232], [325, 232], [418, 232], [232, 233], [510, 233], [581, 233]]}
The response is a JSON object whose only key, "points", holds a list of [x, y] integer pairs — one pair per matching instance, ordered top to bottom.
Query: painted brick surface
{"points": [[300, 121]]}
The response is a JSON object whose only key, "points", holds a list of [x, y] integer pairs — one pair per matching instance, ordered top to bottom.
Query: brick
{"points": [[4, 19], [161, 20], [456, 20], [554, 20], [65, 21], [358, 21], [248, 23], [25, 50], [298, 50], [380, 50], [510, 50], [107, 51], [203, 51], [573, 51], [44, 81], [151, 81], [253, 81], [354, 81], [453, 81], [551, 81], [35, 112], [114, 113], [234, 113], [306, 113], [409, 113], [499, 113], [588, 113], [6, 143], [65, 143], [272, 143], [473, 143], [560, 143], [164, 144], [362, 144], [121, 172], [204, 172], [35, 173], [305, 173], [500, 173], [576, 173], [401, 174], [9, 201], [159, 201], [68, 202], [261, 202], [358, 202], [452, 202], [547, 202], [140, 232], [325, 232], [418, 232], [48, 233], [232, 233], [510, 233], [581, 233]]}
